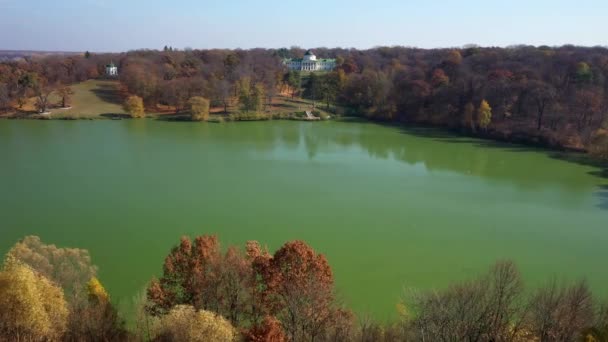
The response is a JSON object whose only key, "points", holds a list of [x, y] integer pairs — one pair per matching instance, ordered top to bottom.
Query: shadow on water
{"points": [[115, 116], [444, 135], [602, 194]]}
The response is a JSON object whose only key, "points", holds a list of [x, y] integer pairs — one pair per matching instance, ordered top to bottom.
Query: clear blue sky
{"points": [[118, 25]]}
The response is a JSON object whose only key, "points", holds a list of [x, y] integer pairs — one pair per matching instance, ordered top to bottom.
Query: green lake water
{"points": [[391, 208]]}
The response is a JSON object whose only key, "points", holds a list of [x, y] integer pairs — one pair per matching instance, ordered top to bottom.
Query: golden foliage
{"points": [[135, 106], [199, 108], [484, 114], [71, 268], [97, 293], [31, 306], [184, 323]]}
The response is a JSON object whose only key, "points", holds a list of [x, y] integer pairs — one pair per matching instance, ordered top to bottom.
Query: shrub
{"points": [[134, 105], [199, 108], [184, 323]]}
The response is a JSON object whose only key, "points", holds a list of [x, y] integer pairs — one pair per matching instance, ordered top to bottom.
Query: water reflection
{"points": [[522, 167]]}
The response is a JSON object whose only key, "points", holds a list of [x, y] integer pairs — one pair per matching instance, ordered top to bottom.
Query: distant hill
{"points": [[10, 55]]}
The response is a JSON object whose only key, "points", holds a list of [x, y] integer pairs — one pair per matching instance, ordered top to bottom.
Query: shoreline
{"points": [[490, 135]]}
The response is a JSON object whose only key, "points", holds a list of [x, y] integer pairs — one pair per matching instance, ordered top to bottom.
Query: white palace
{"points": [[310, 63]]}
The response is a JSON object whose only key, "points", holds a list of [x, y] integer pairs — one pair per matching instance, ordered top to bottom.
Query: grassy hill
{"points": [[91, 99]]}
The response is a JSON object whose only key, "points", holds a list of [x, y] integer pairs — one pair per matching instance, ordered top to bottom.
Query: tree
{"points": [[87, 55], [583, 73], [439, 78], [294, 82], [312, 88], [42, 91], [65, 92], [223, 92], [543, 95], [4, 97], [251, 97], [134, 105], [587, 106], [199, 108], [484, 114], [468, 120], [598, 146], [71, 268], [300, 290], [31, 306], [485, 309], [561, 313], [97, 319], [185, 323], [268, 331]]}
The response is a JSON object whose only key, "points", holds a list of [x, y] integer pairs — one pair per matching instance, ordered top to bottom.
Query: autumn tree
{"points": [[583, 73], [439, 78], [140, 81], [26, 82], [42, 90], [65, 92], [543, 95], [251, 96], [4, 97], [134, 105], [587, 107], [199, 108], [484, 115], [598, 145], [71, 268], [198, 274], [300, 290], [31, 306], [97, 319], [185, 323], [269, 330]]}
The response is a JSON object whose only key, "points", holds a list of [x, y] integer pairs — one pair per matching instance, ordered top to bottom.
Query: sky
{"points": [[120, 25]]}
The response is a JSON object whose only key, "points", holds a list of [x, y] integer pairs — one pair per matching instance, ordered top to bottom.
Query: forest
{"points": [[550, 96], [209, 293]]}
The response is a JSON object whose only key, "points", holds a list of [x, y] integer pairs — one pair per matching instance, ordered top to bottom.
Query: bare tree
{"points": [[561, 313]]}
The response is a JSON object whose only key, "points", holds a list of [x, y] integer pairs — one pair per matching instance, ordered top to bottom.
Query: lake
{"points": [[391, 208]]}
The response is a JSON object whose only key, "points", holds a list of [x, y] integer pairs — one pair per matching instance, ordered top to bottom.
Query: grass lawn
{"points": [[91, 99], [95, 99]]}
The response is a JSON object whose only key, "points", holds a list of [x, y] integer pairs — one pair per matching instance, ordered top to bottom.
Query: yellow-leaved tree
{"points": [[135, 106], [199, 108], [484, 114], [70, 268], [97, 293], [31, 306], [184, 323]]}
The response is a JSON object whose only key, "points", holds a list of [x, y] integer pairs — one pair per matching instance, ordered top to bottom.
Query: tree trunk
{"points": [[541, 111]]}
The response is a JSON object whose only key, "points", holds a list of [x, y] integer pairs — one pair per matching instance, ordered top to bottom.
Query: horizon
{"points": [[107, 26], [308, 48]]}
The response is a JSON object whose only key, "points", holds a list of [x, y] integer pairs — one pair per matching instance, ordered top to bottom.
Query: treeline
{"points": [[40, 76], [553, 96], [208, 294]]}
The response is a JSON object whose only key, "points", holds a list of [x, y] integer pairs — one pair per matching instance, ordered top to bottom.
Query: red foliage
{"points": [[439, 78], [269, 330]]}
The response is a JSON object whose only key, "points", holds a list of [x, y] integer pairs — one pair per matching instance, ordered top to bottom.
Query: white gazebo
{"points": [[111, 69]]}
